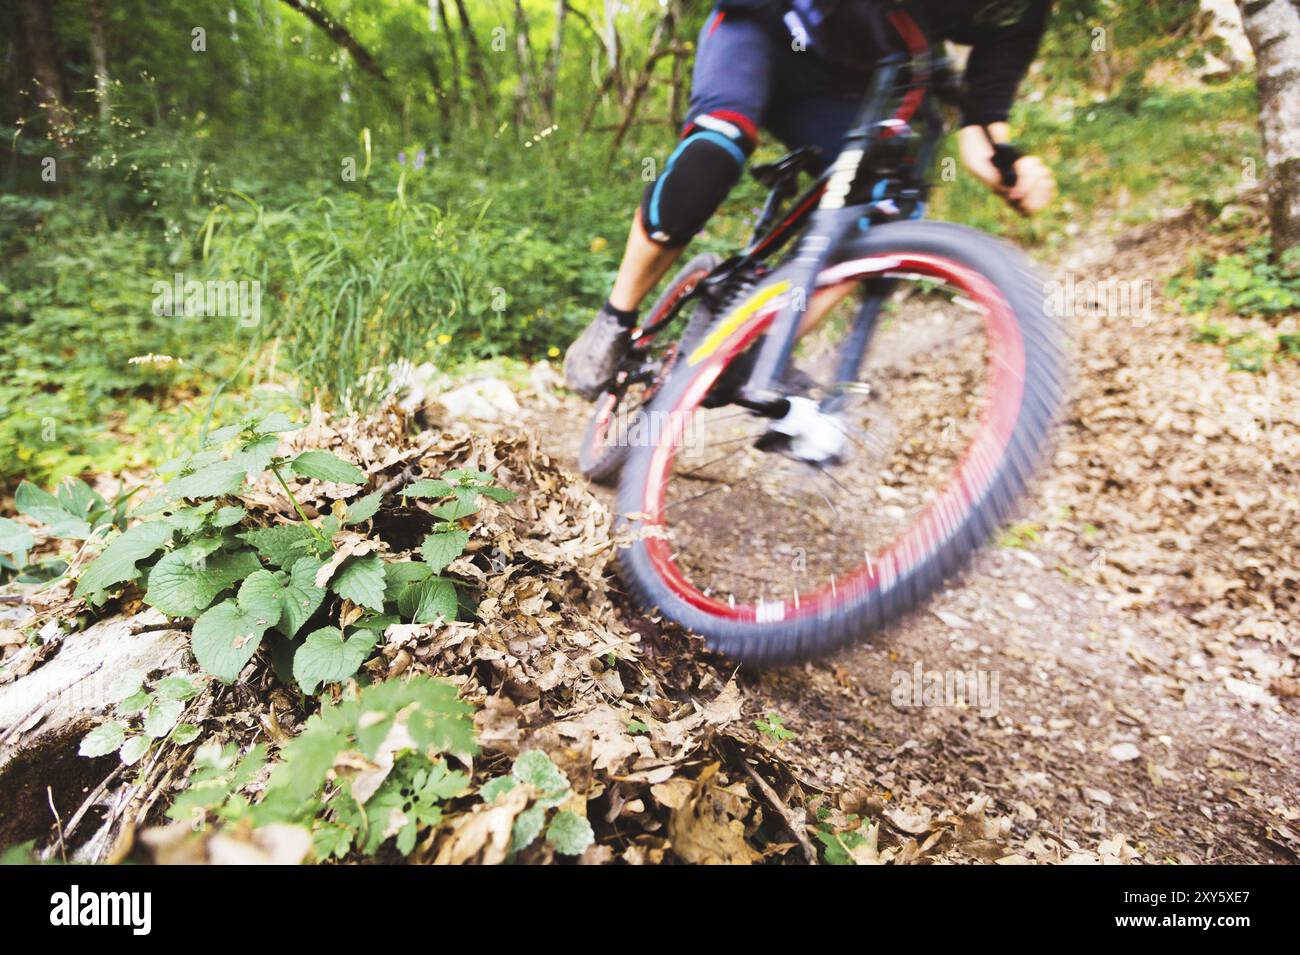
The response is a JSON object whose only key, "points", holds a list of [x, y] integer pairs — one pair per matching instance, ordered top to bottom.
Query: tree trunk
{"points": [[1273, 27], [38, 36], [614, 46], [659, 48], [452, 50], [99, 53], [524, 53], [474, 58], [552, 77], [439, 94], [46, 710]]}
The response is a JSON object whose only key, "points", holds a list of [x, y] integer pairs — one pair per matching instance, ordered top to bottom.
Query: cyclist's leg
{"points": [[731, 86]]}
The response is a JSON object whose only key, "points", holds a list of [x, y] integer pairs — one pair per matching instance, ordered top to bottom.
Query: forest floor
{"points": [[1136, 629], [1143, 629]]}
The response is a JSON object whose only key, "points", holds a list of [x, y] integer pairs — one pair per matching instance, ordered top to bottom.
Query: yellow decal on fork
{"points": [[738, 316]]}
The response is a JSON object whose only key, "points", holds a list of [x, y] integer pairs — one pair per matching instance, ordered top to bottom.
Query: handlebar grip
{"points": [[1005, 156]]}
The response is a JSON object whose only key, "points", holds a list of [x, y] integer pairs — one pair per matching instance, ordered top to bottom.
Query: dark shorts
{"points": [[747, 64]]}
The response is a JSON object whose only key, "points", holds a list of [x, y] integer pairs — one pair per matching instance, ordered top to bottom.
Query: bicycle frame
{"points": [[843, 200]]}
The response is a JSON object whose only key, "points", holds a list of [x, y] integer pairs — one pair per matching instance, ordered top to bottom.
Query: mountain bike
{"points": [[781, 522]]}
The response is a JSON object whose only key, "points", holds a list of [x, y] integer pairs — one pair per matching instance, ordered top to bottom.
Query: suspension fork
{"points": [[833, 219], [856, 344]]}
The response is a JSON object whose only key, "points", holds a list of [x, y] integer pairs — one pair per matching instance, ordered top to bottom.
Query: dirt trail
{"points": [[1143, 636]]}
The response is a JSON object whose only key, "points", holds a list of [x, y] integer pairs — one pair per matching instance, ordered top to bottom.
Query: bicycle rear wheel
{"points": [[617, 418], [773, 560]]}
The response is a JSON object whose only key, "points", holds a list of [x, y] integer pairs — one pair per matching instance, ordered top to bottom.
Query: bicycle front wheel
{"points": [[771, 559]]}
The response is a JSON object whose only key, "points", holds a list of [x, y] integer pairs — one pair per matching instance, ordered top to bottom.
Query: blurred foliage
{"points": [[403, 217], [1250, 284]]}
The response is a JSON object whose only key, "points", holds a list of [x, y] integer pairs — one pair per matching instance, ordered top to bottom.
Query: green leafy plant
{"points": [[1250, 283], [1245, 351], [1249, 353], [75, 511], [1020, 535], [199, 555], [145, 718], [773, 727], [372, 767], [214, 791], [567, 832], [839, 845]]}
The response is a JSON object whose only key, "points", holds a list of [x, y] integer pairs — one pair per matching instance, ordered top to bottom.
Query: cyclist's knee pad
{"points": [[698, 176]]}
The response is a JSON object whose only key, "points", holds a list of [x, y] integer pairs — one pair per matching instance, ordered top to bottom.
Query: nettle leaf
{"points": [[275, 423], [222, 435], [254, 456], [189, 463], [327, 467], [467, 476], [216, 480], [428, 487], [499, 494], [79, 498], [364, 508], [48, 509], [455, 510], [228, 516], [189, 520], [15, 539], [281, 545], [439, 550], [117, 564], [401, 573], [361, 580], [184, 582], [263, 591], [301, 597], [428, 601], [226, 636], [325, 657], [176, 688], [137, 702], [162, 716], [184, 733], [103, 739], [133, 749], [537, 770], [495, 787], [527, 827], [569, 833]]}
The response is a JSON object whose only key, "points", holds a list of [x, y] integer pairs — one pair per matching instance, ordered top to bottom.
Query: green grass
{"points": [[491, 250]]}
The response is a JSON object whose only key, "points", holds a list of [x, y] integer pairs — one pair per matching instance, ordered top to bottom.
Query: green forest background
{"points": [[443, 181]]}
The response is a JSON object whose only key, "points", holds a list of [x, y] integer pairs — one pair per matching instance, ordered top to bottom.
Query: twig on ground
{"points": [[92, 798], [58, 824]]}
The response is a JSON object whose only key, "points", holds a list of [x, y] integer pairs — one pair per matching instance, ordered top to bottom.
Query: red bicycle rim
{"points": [[970, 481]]}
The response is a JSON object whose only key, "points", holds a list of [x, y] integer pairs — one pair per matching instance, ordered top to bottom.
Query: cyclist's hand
{"points": [[1035, 186], [1034, 189]]}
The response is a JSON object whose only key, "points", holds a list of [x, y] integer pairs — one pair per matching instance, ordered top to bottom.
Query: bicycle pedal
{"points": [[807, 433]]}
